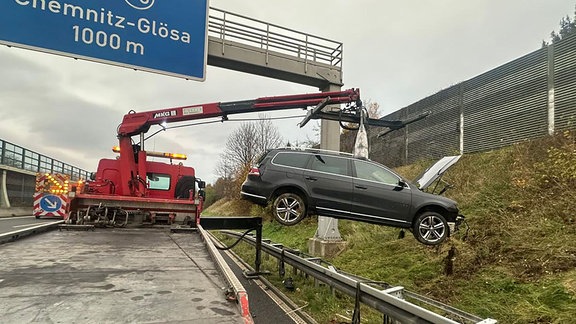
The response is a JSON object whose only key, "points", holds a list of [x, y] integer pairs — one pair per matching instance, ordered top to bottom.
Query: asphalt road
{"points": [[10, 224], [50, 247], [112, 276]]}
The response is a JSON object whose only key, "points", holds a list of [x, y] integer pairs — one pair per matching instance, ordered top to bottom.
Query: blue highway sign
{"points": [[163, 36], [50, 203]]}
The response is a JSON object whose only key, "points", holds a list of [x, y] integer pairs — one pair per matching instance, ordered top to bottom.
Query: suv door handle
{"points": [[311, 178], [360, 187]]}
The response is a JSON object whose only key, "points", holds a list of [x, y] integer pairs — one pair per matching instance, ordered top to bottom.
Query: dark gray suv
{"points": [[299, 182]]}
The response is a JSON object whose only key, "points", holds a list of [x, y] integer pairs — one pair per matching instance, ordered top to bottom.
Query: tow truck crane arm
{"points": [[137, 123]]}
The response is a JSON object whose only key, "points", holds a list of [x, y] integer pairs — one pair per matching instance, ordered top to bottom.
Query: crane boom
{"points": [[137, 123]]}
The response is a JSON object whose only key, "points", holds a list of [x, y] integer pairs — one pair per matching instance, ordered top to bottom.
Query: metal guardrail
{"points": [[229, 26], [18, 157], [16, 235], [239, 291], [388, 300]]}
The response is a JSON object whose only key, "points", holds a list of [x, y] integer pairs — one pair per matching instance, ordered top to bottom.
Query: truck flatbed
{"points": [[112, 276]]}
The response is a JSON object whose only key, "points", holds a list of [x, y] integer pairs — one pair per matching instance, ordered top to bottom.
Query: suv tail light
{"points": [[254, 171]]}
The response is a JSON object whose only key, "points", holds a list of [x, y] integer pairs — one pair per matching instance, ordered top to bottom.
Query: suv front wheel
{"points": [[289, 208], [430, 228]]}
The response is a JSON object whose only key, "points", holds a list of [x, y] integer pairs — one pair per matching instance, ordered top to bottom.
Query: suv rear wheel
{"points": [[289, 208], [430, 228]]}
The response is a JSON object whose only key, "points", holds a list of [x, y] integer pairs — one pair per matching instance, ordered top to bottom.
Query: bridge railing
{"points": [[233, 27], [18, 157]]}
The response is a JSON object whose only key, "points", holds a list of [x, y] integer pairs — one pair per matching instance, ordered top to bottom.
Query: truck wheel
{"points": [[289, 208], [430, 228]]}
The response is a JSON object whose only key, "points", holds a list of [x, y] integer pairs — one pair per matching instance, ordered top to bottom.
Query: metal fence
{"points": [[232, 27], [530, 97], [16, 156], [20, 186]]}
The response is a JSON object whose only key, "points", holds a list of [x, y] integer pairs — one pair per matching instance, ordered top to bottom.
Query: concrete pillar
{"points": [[551, 99], [462, 120], [4, 201], [327, 240]]}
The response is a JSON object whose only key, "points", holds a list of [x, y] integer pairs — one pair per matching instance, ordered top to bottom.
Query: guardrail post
{"points": [[258, 261], [281, 267]]}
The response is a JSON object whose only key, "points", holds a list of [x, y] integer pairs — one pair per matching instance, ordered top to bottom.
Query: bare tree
{"points": [[268, 135], [244, 145], [240, 147]]}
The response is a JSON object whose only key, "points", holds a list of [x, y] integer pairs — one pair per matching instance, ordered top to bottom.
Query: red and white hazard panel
{"points": [[51, 195]]}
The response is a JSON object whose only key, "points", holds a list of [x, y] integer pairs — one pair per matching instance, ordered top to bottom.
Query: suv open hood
{"points": [[435, 171]]}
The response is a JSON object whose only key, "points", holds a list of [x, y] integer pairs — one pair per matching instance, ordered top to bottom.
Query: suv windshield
{"points": [[373, 172]]}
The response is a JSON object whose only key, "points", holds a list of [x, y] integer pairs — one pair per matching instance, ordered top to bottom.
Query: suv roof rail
{"points": [[315, 150]]}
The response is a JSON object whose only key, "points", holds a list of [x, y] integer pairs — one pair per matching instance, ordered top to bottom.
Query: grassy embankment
{"points": [[517, 263]]}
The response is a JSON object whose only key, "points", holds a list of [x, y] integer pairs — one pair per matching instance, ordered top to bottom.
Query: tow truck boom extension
{"points": [[137, 123]]}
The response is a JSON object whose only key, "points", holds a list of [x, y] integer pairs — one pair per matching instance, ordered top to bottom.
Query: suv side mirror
{"points": [[401, 185]]}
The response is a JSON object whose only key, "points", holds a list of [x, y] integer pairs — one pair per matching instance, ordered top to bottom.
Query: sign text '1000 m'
{"points": [[87, 36], [101, 38]]}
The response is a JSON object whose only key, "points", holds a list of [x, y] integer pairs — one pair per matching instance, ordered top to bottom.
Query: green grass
{"points": [[517, 264]]}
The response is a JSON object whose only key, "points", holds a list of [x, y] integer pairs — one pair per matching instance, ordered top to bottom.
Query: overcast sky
{"points": [[396, 52]]}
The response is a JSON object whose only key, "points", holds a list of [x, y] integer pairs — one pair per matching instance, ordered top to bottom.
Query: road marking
{"points": [[14, 217], [33, 224], [25, 225]]}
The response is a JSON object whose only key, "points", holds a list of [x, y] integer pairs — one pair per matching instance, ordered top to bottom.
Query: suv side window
{"points": [[291, 159], [329, 164], [373, 172]]}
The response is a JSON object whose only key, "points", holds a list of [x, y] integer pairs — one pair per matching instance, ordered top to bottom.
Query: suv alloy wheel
{"points": [[289, 208], [430, 228]]}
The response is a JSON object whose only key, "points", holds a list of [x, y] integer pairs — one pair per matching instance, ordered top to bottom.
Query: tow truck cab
{"points": [[164, 181]]}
